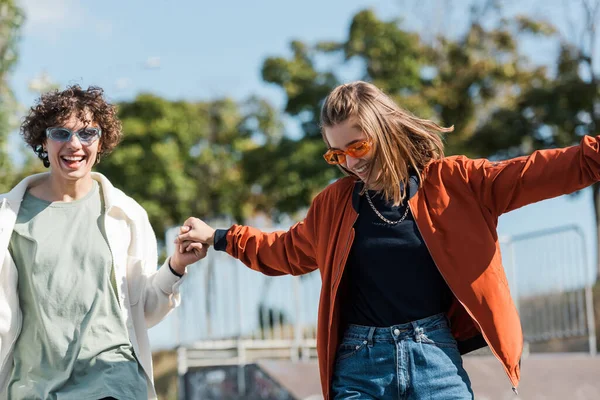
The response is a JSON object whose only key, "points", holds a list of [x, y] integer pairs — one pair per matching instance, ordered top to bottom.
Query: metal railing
{"points": [[551, 283], [231, 314]]}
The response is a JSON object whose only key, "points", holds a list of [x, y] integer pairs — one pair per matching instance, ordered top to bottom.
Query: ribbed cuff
{"points": [[221, 239], [167, 280]]}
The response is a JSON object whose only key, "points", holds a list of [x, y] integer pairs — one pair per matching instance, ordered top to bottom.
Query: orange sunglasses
{"points": [[355, 150]]}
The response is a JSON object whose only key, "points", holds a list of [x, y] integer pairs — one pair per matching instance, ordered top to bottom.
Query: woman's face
{"points": [[348, 133], [72, 160]]}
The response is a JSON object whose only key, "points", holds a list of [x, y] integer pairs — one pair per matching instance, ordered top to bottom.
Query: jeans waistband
{"points": [[395, 332]]}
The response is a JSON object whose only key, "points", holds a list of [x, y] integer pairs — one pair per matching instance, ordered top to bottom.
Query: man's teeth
{"points": [[73, 158]]}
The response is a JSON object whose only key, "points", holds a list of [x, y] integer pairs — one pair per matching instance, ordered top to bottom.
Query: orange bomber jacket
{"points": [[456, 209]]}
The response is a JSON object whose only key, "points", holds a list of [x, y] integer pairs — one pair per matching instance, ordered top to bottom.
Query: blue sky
{"points": [[183, 49], [201, 50]]}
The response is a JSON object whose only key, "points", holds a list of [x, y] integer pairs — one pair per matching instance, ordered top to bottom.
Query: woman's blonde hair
{"points": [[400, 139]]}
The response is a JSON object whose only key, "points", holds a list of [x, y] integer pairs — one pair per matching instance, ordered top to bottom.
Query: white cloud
{"points": [[48, 19], [104, 28], [152, 63], [41, 83], [123, 83]]}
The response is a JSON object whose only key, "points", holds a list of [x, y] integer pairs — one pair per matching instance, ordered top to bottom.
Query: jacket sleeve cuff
{"points": [[221, 239], [167, 280]]}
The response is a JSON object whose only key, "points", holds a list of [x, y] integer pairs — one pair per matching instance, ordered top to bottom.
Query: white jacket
{"points": [[146, 294]]}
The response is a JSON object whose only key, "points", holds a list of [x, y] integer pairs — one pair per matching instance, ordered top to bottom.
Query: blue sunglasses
{"points": [[86, 135]]}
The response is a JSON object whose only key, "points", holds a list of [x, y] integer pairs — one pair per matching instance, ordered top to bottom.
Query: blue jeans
{"points": [[416, 360]]}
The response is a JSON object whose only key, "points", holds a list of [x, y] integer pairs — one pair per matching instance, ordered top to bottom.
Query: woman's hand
{"points": [[195, 230], [193, 252]]}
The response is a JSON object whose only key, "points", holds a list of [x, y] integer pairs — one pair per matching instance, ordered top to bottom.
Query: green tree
{"points": [[11, 19], [453, 80], [179, 158], [293, 170]]}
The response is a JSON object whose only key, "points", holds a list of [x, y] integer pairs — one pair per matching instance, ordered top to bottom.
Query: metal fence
{"points": [[551, 282], [225, 300], [230, 310], [231, 314]]}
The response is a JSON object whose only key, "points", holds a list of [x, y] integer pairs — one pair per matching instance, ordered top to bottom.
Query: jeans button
{"points": [[396, 332]]}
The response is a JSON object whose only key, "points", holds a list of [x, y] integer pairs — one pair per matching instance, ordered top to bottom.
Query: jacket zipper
{"points": [[514, 388]]}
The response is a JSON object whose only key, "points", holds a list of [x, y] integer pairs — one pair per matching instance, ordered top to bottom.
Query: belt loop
{"points": [[415, 326], [418, 331], [370, 336]]}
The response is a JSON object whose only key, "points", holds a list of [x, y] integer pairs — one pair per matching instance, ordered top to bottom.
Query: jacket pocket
{"points": [[136, 281]]}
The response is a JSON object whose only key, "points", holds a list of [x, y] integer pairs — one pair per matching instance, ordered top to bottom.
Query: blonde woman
{"points": [[407, 249]]}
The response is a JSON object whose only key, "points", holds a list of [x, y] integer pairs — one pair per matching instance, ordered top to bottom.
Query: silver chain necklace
{"points": [[384, 219]]}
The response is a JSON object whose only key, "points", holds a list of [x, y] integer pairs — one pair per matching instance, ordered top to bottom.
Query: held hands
{"points": [[195, 231], [192, 243]]}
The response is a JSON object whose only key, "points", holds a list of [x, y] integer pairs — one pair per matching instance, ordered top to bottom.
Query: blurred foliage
{"points": [[11, 20], [456, 81], [481, 82], [553, 110], [179, 158], [226, 158]]}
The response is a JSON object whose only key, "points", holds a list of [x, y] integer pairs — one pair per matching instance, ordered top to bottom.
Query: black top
{"points": [[390, 277]]}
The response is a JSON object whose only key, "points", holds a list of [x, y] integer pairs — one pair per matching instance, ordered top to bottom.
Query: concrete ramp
{"points": [[549, 376], [561, 376], [300, 379]]}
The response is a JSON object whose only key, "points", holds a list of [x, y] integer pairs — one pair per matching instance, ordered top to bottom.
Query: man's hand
{"points": [[195, 230], [181, 259]]}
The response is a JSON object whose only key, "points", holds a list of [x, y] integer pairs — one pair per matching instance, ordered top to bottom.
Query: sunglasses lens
{"points": [[60, 134], [88, 135], [359, 149], [333, 158]]}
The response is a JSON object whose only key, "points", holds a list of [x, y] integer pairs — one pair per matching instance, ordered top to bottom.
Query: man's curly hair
{"points": [[54, 108]]}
